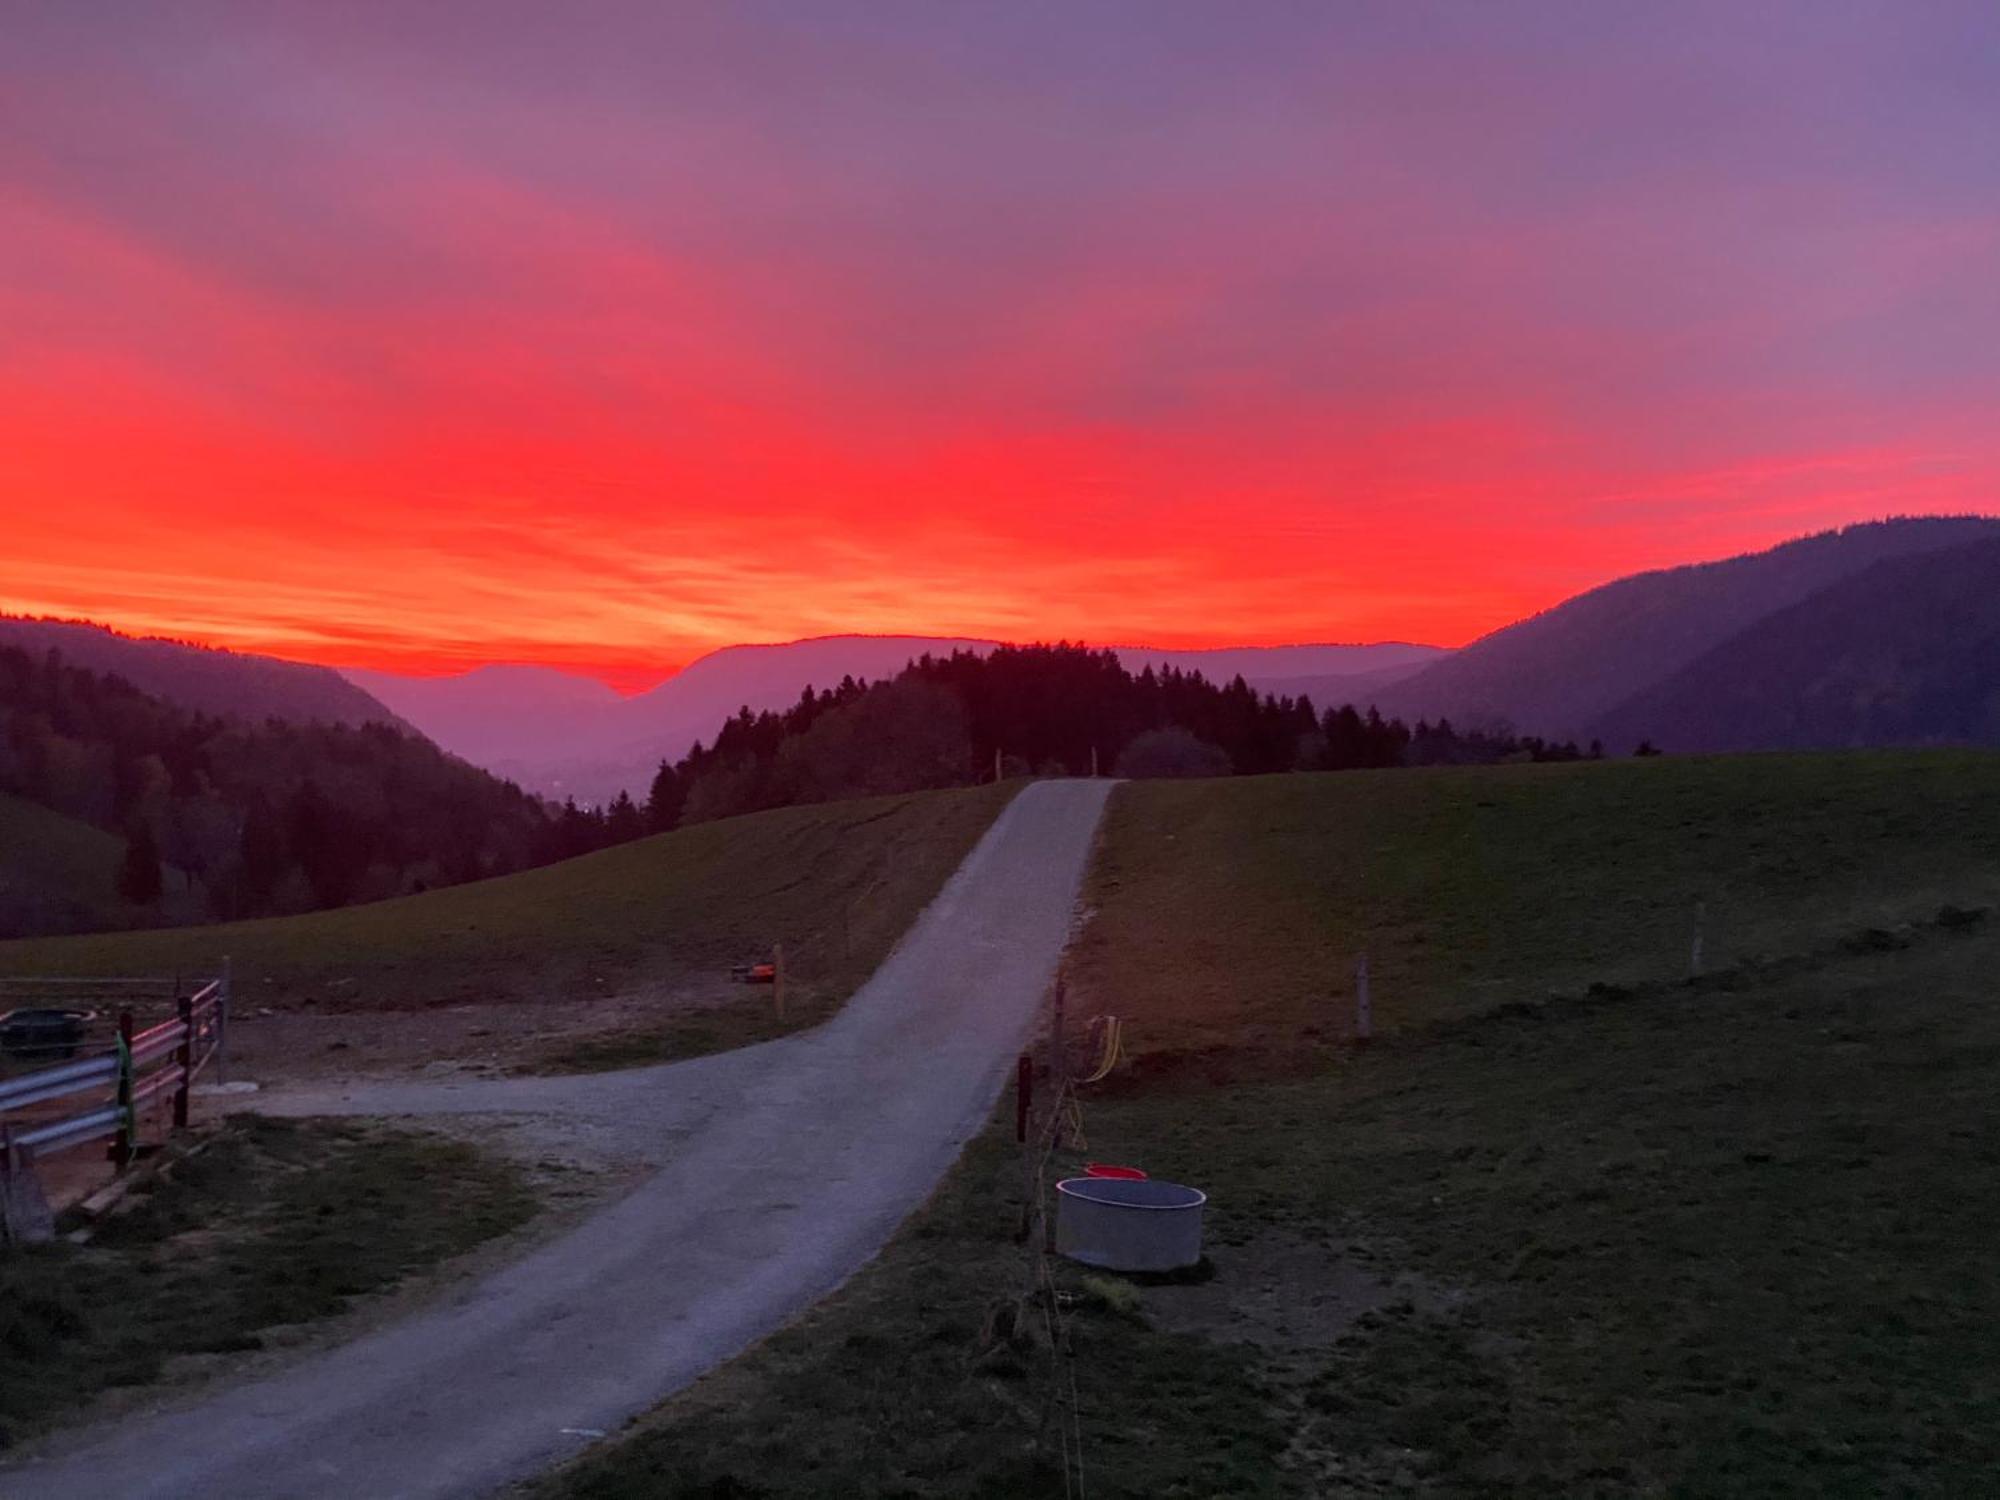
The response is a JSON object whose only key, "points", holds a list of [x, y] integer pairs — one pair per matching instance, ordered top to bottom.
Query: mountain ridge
{"points": [[1904, 652], [1555, 672], [207, 679]]}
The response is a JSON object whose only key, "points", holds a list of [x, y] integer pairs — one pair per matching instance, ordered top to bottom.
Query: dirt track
{"points": [[782, 1169]]}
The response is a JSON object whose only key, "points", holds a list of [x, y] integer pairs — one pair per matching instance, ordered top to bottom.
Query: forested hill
{"points": [[1906, 652], [1560, 671], [203, 678], [266, 817]]}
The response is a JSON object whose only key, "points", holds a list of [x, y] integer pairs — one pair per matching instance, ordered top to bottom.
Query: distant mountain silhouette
{"points": [[1906, 652], [1558, 672], [203, 678], [498, 712], [565, 736]]}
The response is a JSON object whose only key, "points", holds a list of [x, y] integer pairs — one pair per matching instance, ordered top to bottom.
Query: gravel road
{"points": [[781, 1169]]}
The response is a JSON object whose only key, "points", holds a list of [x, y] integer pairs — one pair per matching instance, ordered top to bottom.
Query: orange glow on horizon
{"points": [[393, 344]]}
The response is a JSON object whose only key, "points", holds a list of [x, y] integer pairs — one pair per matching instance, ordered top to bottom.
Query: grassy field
{"points": [[58, 873], [837, 884], [1229, 914], [276, 1223], [1719, 1236]]}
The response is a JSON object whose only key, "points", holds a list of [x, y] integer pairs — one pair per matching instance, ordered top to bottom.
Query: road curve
{"points": [[784, 1167]]}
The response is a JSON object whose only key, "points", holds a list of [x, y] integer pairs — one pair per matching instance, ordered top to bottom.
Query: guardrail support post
{"points": [[184, 1008], [124, 1147]]}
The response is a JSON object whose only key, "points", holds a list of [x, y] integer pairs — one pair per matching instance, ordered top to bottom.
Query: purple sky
{"points": [[440, 333]]}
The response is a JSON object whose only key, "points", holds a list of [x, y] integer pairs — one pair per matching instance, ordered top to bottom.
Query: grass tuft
{"points": [[276, 1223]]}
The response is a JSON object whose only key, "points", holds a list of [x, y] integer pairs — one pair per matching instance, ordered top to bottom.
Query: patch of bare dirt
{"points": [[326, 1044], [1289, 1294], [1292, 1297]]}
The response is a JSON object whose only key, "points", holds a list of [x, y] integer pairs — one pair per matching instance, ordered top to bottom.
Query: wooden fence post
{"points": [[778, 977], [1364, 1005], [184, 1008]]}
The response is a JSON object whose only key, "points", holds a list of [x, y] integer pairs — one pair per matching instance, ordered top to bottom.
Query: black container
{"points": [[43, 1033]]}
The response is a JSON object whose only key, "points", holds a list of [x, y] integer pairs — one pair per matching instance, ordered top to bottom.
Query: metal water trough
{"points": [[44, 1031], [1125, 1225]]}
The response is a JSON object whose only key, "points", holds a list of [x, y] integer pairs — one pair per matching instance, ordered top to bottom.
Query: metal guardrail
{"points": [[192, 1039], [56, 1082], [71, 1132]]}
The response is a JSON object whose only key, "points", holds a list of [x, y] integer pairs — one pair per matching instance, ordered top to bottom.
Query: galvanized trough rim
{"points": [[1105, 1192]]}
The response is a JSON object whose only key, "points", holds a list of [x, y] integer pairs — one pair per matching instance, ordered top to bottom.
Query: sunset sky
{"points": [[421, 335]]}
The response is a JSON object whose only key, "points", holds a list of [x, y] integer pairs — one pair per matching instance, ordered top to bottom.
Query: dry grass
{"points": [[837, 884], [1229, 914]]}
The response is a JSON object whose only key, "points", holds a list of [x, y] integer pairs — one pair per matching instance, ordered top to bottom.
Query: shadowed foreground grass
{"points": [[836, 883], [276, 1222], [1660, 1237], [1709, 1242], [901, 1385]]}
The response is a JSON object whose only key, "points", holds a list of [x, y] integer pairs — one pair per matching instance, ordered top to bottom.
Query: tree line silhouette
{"points": [[1055, 710], [279, 817], [263, 818]]}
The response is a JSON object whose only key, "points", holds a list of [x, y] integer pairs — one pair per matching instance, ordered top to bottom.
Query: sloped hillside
{"points": [[1906, 652], [1557, 672], [210, 681], [268, 816], [60, 875], [837, 884]]}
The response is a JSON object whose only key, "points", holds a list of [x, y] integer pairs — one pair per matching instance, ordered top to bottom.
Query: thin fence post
{"points": [[778, 977], [1364, 1004], [184, 1008], [222, 1026], [1058, 1057], [123, 1148]]}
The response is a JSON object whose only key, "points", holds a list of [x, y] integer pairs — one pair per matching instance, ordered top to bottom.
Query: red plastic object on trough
{"points": [[1106, 1169]]}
